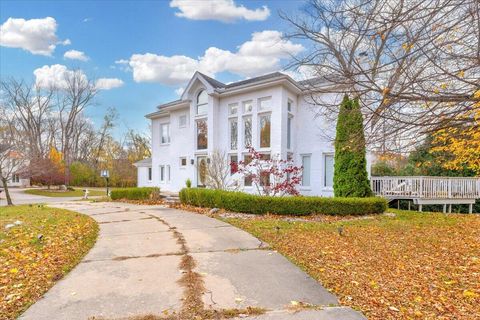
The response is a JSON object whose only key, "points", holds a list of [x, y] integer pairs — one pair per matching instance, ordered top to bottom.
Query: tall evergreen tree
{"points": [[350, 177]]}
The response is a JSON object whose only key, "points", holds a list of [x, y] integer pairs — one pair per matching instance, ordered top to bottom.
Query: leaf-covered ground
{"points": [[37, 251], [410, 266]]}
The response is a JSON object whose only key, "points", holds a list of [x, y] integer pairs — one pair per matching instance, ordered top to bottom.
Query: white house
{"points": [[270, 113], [13, 167]]}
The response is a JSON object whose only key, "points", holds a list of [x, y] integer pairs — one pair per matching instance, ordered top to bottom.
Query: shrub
{"points": [[350, 178], [188, 183], [143, 193], [249, 203]]}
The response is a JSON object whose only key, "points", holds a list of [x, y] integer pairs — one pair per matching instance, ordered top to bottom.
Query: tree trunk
{"points": [[7, 193]]}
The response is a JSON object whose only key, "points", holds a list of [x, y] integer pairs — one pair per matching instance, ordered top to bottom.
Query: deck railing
{"points": [[426, 187]]}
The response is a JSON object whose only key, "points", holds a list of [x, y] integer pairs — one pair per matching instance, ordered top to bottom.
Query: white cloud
{"points": [[222, 10], [37, 36], [76, 55], [259, 55], [55, 76], [108, 83]]}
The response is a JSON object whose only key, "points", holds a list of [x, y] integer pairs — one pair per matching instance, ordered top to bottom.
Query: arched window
{"points": [[202, 102]]}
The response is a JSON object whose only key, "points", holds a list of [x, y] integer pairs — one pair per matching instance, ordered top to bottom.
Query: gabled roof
{"points": [[255, 79], [214, 83], [220, 88], [143, 163]]}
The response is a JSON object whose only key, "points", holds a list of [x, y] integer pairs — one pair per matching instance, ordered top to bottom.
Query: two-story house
{"points": [[270, 113]]}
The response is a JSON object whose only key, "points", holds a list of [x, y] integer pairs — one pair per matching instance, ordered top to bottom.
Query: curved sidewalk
{"points": [[134, 269]]}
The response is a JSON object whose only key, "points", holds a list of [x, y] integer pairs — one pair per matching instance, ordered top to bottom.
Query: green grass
{"points": [[56, 193], [39, 251]]}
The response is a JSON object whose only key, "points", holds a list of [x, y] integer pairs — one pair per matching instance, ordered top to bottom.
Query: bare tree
{"points": [[415, 65], [73, 99], [30, 108], [11, 160], [218, 170]]}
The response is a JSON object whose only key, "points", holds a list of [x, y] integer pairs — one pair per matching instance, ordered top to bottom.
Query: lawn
{"points": [[57, 193], [39, 249], [408, 266]]}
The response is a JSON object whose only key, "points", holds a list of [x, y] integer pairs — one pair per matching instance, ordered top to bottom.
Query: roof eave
{"points": [[282, 80]]}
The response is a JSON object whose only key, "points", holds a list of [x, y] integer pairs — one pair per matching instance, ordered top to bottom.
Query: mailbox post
{"points": [[105, 174]]}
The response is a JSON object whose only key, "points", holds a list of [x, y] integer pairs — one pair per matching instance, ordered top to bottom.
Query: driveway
{"points": [[19, 196], [135, 267]]}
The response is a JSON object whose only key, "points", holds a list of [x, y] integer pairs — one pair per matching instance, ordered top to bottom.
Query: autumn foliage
{"points": [[462, 142], [408, 266]]}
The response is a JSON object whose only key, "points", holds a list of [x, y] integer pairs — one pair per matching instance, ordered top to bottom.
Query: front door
{"points": [[201, 171]]}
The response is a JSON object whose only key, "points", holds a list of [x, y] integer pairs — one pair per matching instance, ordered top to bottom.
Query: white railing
{"points": [[426, 187]]}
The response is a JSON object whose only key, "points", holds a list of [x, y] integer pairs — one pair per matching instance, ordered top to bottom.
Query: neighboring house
{"points": [[270, 113], [15, 166]]}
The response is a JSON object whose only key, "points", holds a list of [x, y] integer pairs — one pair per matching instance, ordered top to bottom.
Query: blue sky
{"points": [[146, 49]]}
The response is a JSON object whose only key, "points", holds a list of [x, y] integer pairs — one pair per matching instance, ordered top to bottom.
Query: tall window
{"points": [[202, 102], [289, 105], [265, 131], [247, 132], [289, 132], [164, 133], [233, 134], [202, 135], [306, 163], [328, 170], [162, 173], [150, 174], [15, 178]]}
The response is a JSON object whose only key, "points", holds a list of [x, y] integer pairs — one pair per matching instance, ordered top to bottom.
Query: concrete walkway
{"points": [[19, 196], [133, 269]]}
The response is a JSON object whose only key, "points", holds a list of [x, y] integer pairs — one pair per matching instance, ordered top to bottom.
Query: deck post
{"points": [[409, 205], [420, 207], [444, 208], [450, 208], [470, 208]]}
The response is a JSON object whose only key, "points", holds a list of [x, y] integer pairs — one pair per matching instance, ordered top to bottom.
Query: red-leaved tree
{"points": [[271, 177]]}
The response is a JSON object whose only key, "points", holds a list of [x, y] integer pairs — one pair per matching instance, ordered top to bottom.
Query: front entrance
{"points": [[201, 171]]}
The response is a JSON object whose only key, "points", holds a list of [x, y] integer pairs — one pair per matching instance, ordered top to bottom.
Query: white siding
{"points": [[309, 136]]}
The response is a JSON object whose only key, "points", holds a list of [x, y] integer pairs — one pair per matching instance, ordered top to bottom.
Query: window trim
{"points": [[201, 104], [259, 104], [229, 107], [243, 107], [259, 120], [167, 124], [289, 132], [196, 134], [230, 134], [244, 145], [183, 166], [324, 171], [162, 173], [309, 186]]}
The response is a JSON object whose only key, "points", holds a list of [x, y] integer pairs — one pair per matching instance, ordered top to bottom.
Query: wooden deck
{"points": [[428, 190]]}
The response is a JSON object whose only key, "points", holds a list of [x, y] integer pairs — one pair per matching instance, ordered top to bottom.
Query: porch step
{"points": [[172, 199]]}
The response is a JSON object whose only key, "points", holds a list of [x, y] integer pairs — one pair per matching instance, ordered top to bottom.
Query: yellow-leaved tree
{"points": [[462, 142]]}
